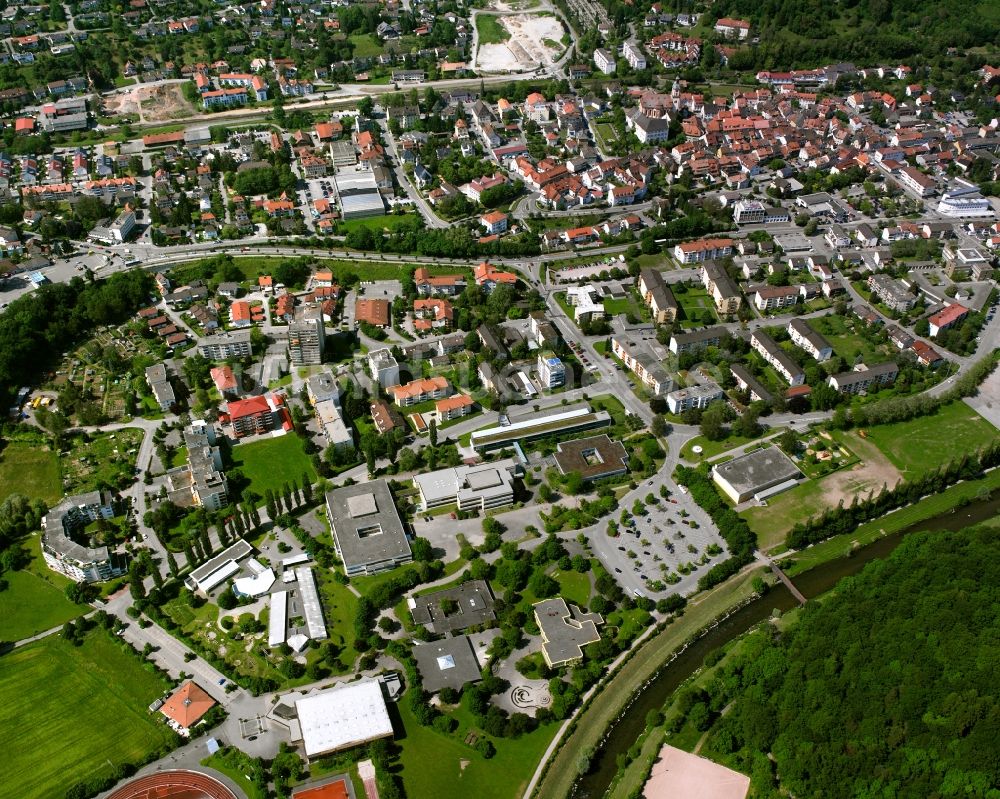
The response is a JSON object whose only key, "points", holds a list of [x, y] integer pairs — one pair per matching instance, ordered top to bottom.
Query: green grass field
{"points": [[490, 30], [365, 45], [380, 223], [953, 430], [271, 462], [31, 470], [573, 587], [30, 605], [66, 711], [432, 763]]}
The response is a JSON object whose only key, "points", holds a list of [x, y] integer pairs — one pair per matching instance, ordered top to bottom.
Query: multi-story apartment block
{"points": [[695, 252], [892, 292], [657, 295], [306, 338], [808, 339], [223, 346], [639, 360], [783, 363], [383, 368], [551, 371], [881, 374], [66, 521]]}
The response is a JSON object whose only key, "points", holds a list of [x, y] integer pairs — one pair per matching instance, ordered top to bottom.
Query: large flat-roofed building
{"points": [[357, 189], [894, 293], [808, 339], [221, 346], [322, 387], [332, 423], [530, 426], [592, 458], [758, 474], [201, 481], [470, 488], [366, 528], [63, 554], [218, 569], [473, 605], [312, 608], [565, 630], [449, 663], [342, 717]]}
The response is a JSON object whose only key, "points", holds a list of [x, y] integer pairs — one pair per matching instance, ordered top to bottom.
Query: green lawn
{"points": [[490, 30], [366, 45], [379, 223], [697, 308], [846, 343], [612, 405], [955, 429], [712, 448], [271, 462], [31, 470], [573, 587], [30, 605], [339, 607], [69, 712], [432, 762]]}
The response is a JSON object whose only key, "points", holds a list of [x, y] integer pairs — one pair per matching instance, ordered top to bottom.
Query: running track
{"points": [[174, 785]]}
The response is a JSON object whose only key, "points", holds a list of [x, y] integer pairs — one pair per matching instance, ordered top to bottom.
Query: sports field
{"points": [[65, 711]]}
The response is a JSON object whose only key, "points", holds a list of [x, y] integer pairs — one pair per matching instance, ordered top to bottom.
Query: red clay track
{"points": [[174, 785]]}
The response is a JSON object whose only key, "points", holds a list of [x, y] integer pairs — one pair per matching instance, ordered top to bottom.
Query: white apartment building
{"points": [[604, 61], [551, 371]]}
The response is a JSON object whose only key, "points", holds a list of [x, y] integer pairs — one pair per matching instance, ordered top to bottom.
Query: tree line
{"points": [[38, 327], [835, 521]]}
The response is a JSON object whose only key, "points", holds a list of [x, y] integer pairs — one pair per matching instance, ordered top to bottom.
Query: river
{"points": [[632, 722]]}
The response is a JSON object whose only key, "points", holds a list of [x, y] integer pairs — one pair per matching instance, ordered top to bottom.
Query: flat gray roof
{"points": [[758, 470], [366, 524], [311, 606], [475, 606], [565, 630], [450, 663]]}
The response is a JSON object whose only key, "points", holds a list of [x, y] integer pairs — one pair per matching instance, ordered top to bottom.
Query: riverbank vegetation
{"points": [[890, 675]]}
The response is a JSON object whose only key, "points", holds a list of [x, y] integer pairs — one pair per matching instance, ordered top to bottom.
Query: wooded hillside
{"points": [[885, 688]]}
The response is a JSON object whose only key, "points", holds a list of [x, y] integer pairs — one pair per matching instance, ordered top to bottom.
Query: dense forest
{"points": [[794, 32], [38, 327], [886, 688]]}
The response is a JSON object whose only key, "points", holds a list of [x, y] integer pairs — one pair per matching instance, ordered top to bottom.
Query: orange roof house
{"points": [[488, 276], [374, 312], [187, 705]]}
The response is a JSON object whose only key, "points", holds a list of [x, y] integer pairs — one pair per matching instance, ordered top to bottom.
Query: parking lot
{"points": [[571, 274], [670, 537]]}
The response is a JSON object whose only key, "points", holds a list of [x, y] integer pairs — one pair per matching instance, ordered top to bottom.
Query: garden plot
{"points": [[529, 47]]}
